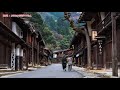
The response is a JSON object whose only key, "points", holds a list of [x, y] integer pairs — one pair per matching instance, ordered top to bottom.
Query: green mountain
{"points": [[54, 15], [60, 28], [56, 32]]}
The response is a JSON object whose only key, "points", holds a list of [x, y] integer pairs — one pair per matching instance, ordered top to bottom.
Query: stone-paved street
{"points": [[52, 71]]}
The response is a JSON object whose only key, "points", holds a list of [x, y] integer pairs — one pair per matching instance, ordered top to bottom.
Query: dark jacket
{"points": [[64, 60]]}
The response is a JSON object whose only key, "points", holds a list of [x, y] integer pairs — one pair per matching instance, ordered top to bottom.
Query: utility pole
{"points": [[114, 46]]}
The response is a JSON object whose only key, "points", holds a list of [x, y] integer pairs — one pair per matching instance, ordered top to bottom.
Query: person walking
{"points": [[69, 59], [64, 63]]}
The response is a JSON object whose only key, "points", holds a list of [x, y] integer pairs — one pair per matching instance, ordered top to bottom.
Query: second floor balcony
{"points": [[104, 23]]}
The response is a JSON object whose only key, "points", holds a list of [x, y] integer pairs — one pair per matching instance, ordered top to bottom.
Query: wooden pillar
{"points": [[88, 41], [114, 46], [27, 51], [32, 51], [38, 53], [26, 59]]}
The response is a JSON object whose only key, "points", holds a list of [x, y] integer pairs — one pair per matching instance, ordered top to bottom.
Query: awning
{"points": [[86, 16]]}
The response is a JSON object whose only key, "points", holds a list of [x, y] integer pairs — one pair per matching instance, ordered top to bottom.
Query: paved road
{"points": [[52, 71]]}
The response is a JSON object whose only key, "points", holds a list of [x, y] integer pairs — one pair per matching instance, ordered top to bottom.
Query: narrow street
{"points": [[31, 44], [52, 71]]}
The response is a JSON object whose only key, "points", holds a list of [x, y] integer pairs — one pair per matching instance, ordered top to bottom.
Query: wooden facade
{"points": [[102, 23], [78, 43], [20, 44], [60, 54], [48, 56]]}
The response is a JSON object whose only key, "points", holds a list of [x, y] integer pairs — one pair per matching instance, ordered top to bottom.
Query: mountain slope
{"points": [[59, 27]]}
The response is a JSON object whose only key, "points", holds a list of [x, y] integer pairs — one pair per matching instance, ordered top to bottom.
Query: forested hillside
{"points": [[55, 31]]}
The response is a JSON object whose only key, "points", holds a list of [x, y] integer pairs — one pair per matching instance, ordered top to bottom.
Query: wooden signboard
{"points": [[94, 34]]}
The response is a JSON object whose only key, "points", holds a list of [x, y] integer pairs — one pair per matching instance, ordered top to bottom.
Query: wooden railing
{"points": [[104, 23]]}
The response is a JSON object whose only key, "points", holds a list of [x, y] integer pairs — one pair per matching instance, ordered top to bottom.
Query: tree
{"points": [[83, 30], [46, 33], [64, 43]]}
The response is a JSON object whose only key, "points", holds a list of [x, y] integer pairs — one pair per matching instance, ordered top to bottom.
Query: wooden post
{"points": [[114, 46], [27, 51], [32, 51], [38, 53], [89, 65]]}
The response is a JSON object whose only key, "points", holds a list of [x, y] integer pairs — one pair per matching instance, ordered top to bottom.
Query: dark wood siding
{"points": [[118, 45], [2, 53], [5, 54], [107, 54], [94, 55]]}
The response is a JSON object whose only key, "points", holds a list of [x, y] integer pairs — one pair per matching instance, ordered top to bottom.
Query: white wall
{"points": [[16, 29], [54, 55]]}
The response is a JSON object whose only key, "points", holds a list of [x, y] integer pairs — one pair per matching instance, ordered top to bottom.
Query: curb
{"points": [[18, 72], [79, 73], [6, 74], [93, 74], [99, 75], [102, 75]]}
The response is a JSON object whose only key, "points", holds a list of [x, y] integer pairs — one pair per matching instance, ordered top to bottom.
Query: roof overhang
{"points": [[86, 16], [21, 23], [77, 37], [60, 51]]}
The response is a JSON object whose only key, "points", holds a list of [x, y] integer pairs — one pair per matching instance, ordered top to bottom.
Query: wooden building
{"points": [[20, 43], [78, 44], [104, 49], [60, 54], [47, 57]]}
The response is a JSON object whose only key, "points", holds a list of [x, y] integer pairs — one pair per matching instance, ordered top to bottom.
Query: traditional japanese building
{"points": [[103, 25], [20, 43], [78, 44], [60, 53], [47, 56]]}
